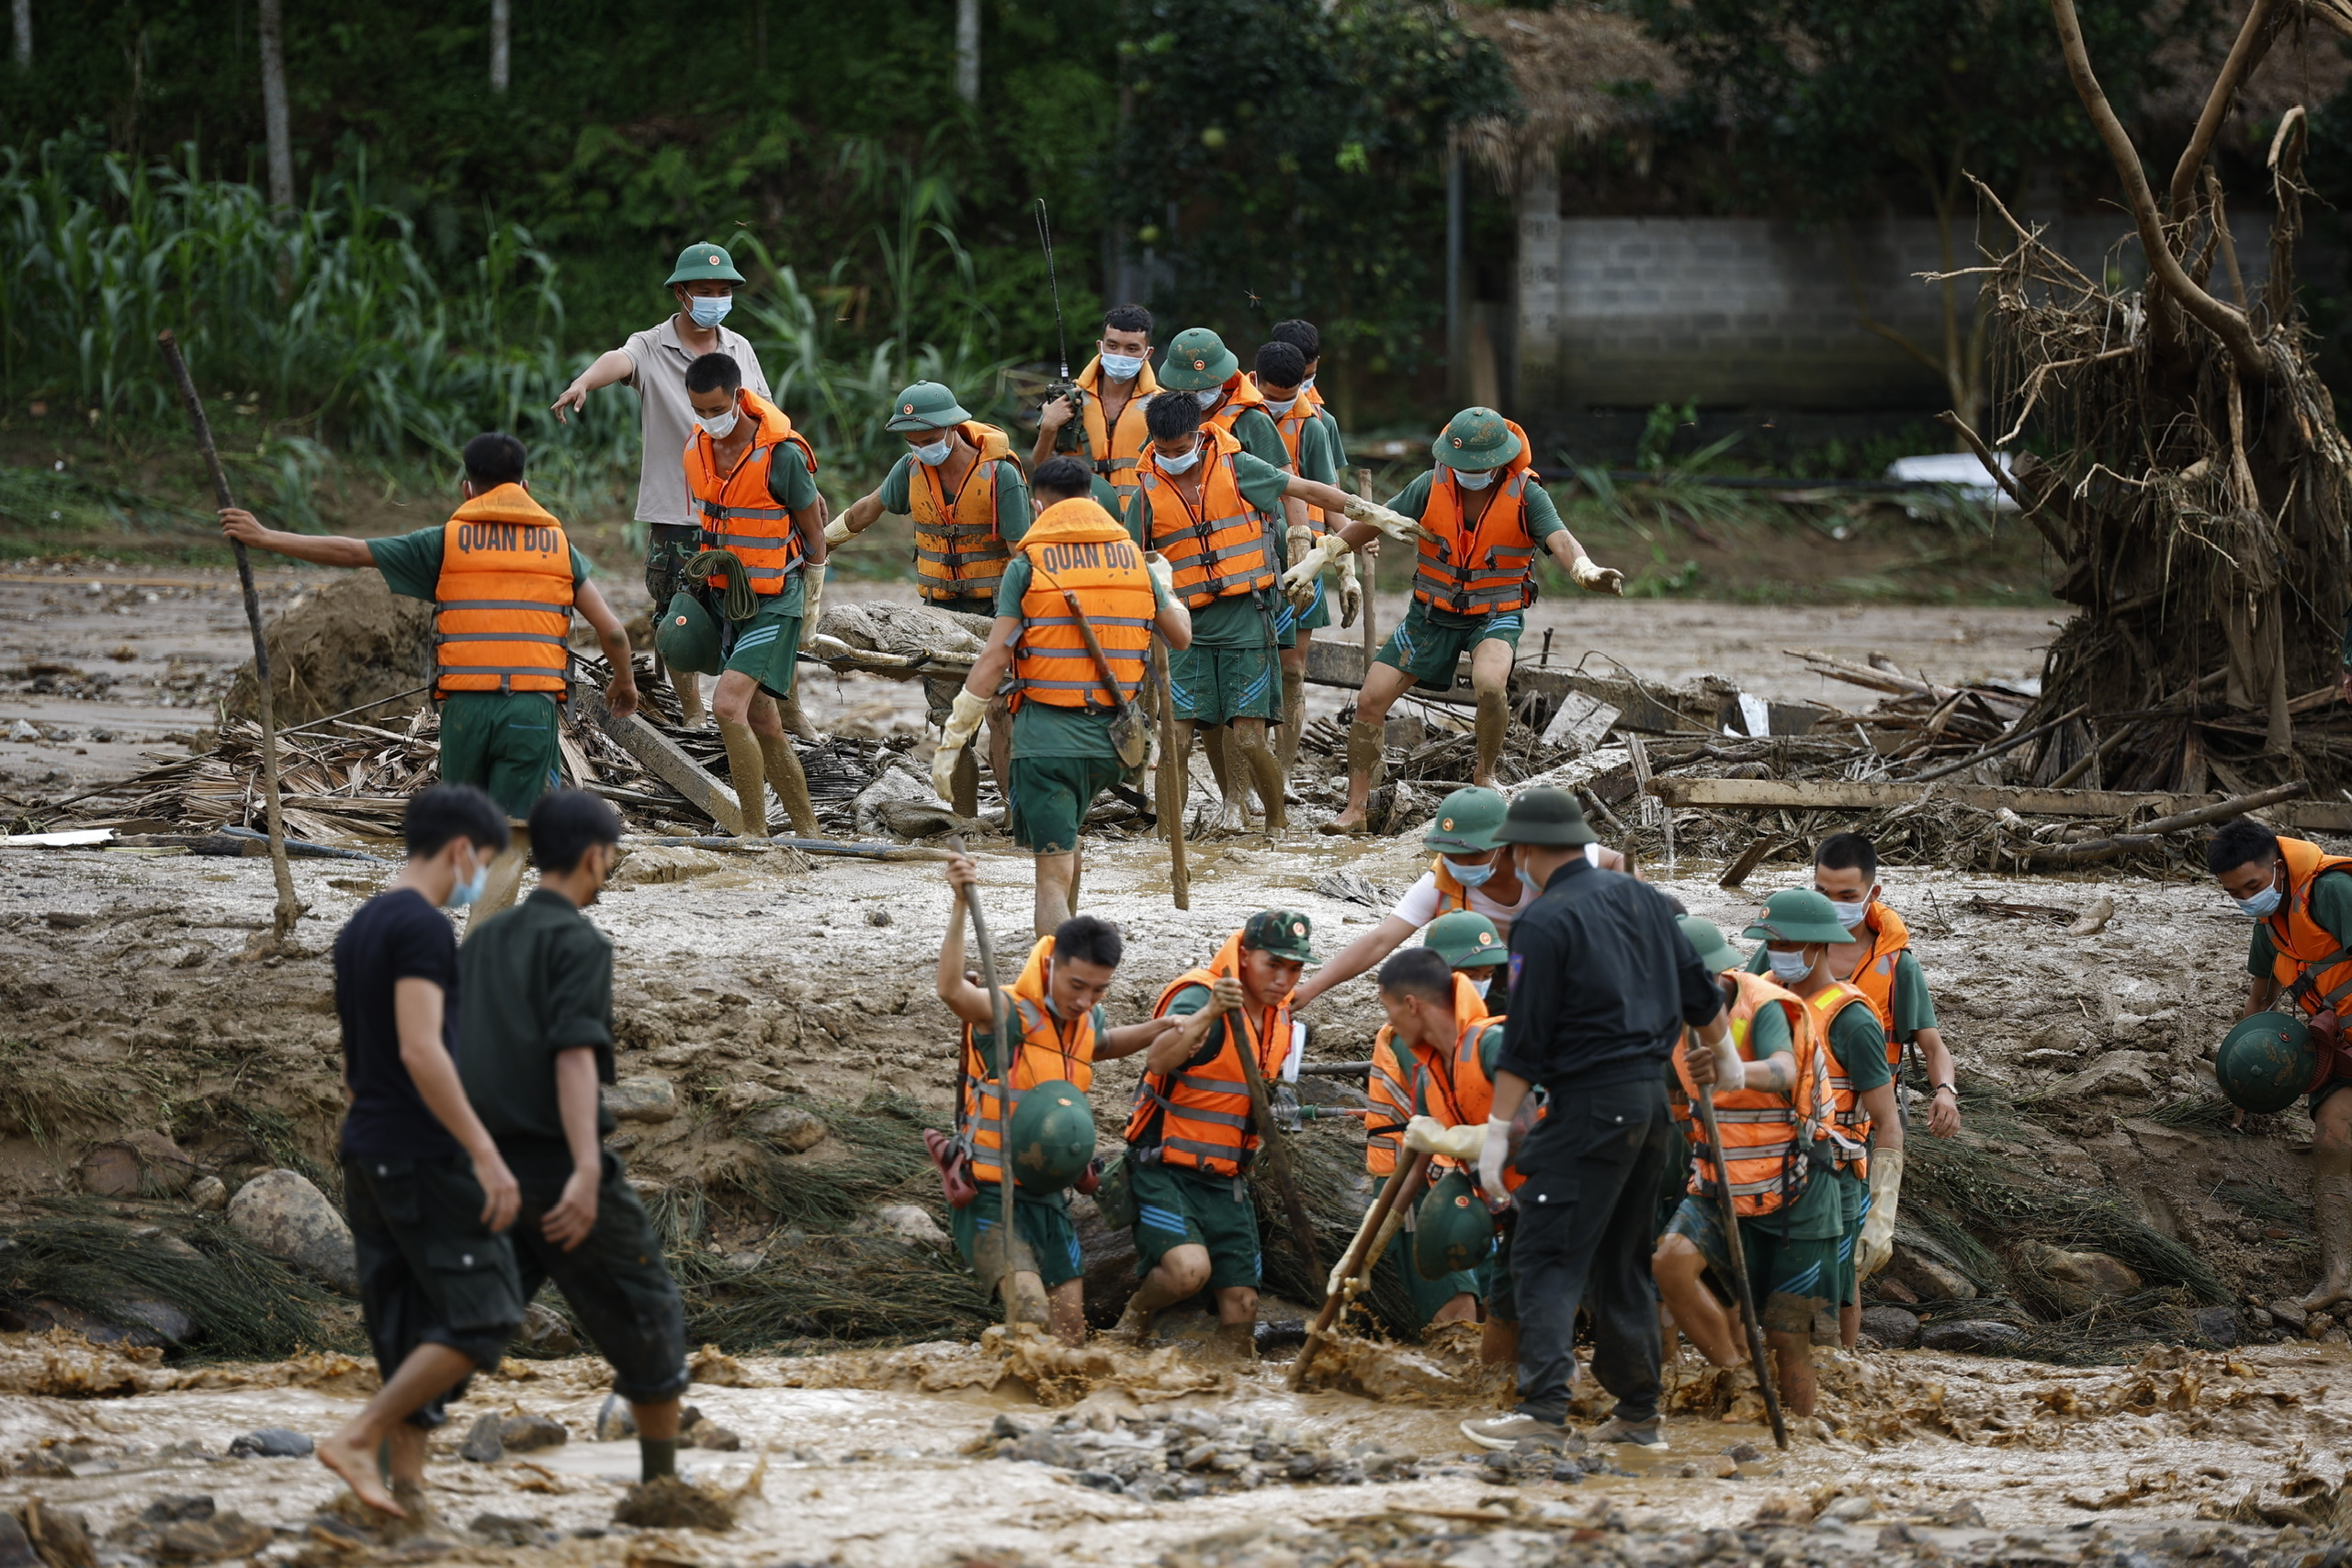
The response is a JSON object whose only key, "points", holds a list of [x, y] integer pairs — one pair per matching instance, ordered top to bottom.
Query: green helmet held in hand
{"points": [[687, 637], [2266, 1060], [1052, 1136], [1452, 1230]]}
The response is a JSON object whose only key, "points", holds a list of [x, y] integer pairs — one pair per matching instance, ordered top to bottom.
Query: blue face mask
{"points": [[710, 309], [1122, 367], [1307, 385], [1209, 399], [932, 455], [1183, 465], [1473, 481], [1470, 875], [472, 888], [2263, 905], [1788, 967], [1482, 983]]}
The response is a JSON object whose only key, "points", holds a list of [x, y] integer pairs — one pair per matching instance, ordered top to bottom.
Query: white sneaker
{"points": [[1512, 1431]]}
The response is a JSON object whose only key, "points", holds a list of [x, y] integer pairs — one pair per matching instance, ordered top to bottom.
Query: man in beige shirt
{"points": [[654, 363]]}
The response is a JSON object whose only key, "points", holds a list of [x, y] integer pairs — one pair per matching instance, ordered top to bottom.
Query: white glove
{"points": [[1395, 525], [837, 533], [1297, 539], [1162, 575], [1597, 578], [1299, 580], [1350, 592], [812, 600], [963, 723], [1427, 1135], [1492, 1153], [1878, 1227], [1338, 1283]]}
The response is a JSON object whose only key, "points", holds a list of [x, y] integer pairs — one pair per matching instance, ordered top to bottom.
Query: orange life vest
{"points": [[1241, 395], [1289, 426], [1114, 450], [739, 510], [1077, 546], [1221, 549], [959, 552], [1483, 570], [502, 604], [1887, 941], [2313, 966], [1049, 1049], [1399, 1088], [1472, 1092], [1848, 1115], [1198, 1118], [1765, 1134]]}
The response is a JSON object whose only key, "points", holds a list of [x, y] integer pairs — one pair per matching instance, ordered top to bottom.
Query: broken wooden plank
{"points": [[1341, 664], [662, 757], [1849, 794], [2152, 835], [860, 849]]}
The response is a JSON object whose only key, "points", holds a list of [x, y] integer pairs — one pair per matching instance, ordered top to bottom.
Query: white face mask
{"points": [[1122, 367], [1307, 385], [1209, 399], [1283, 407], [718, 426], [935, 453], [1183, 465], [1473, 481], [1467, 874], [471, 888], [1850, 915], [1788, 967], [1481, 986]]}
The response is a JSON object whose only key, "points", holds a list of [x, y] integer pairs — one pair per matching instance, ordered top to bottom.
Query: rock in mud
{"points": [[2117, 1073], [641, 1099], [787, 1127], [208, 1193], [287, 1217], [910, 1224], [2092, 1271], [1929, 1279], [2290, 1313], [1891, 1326], [2217, 1326], [545, 1333], [1980, 1337], [615, 1420], [696, 1431], [525, 1433], [485, 1441], [272, 1442], [667, 1503], [174, 1506], [504, 1529], [60, 1536], [203, 1540], [16, 1546]]}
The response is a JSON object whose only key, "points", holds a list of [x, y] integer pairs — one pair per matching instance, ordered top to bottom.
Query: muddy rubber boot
{"points": [[688, 685], [1294, 719], [1494, 722], [796, 723], [1367, 750], [782, 764], [749, 773], [1267, 774], [966, 795], [1233, 810], [2332, 1217]]}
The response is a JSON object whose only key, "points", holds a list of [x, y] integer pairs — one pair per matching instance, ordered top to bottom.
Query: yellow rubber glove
{"points": [[837, 534], [1595, 579], [812, 600], [963, 722], [1427, 1135], [1877, 1244]]}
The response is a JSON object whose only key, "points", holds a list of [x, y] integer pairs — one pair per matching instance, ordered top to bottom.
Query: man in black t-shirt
{"points": [[424, 1187]]}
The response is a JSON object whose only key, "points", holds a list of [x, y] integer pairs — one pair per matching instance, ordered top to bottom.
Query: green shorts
{"points": [[980, 605], [767, 648], [1429, 652], [1212, 685], [505, 742], [1051, 796], [1175, 1207], [1047, 1240], [1797, 1276], [1427, 1295]]}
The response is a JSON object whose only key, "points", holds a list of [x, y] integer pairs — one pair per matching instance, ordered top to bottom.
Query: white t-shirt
{"points": [[666, 419], [1420, 904]]}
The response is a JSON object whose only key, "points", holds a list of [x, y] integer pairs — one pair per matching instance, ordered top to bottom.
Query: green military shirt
{"points": [[1331, 430], [1261, 437], [1318, 453], [896, 492], [1542, 522], [411, 562], [1233, 620], [1042, 729], [2331, 906], [534, 981], [1912, 1008], [1859, 1045]]}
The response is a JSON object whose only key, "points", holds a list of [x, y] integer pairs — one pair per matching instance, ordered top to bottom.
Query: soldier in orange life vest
{"points": [[1116, 384], [1307, 434], [753, 480], [962, 485], [1476, 520], [504, 579], [1063, 755], [2300, 902], [1798, 928], [1058, 1002], [1774, 1104], [1192, 1137]]}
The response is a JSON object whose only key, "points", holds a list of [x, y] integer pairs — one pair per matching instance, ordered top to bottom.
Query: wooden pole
{"points": [[1175, 789], [289, 910], [1007, 1048], [1270, 1143], [1405, 1188], [1737, 1248]]}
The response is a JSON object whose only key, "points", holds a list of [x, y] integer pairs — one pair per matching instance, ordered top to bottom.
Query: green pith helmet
{"points": [[703, 263], [1196, 361], [926, 405], [1475, 440], [687, 638], [1548, 816], [1467, 821], [1799, 915], [1283, 932], [1465, 940], [1716, 953], [2266, 1060], [1052, 1136], [1452, 1230]]}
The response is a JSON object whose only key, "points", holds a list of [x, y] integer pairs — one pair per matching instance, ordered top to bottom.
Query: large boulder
{"points": [[641, 1099], [783, 1126], [140, 1164], [281, 1212], [2093, 1272], [1976, 1335]]}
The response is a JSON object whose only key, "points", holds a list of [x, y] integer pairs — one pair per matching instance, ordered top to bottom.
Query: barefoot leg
{"points": [[430, 1370]]}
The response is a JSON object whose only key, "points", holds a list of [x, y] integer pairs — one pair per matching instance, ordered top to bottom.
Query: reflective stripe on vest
{"points": [[1114, 450], [1076, 546], [1223, 548], [959, 552], [771, 555], [1484, 570], [503, 601], [1887, 940], [2313, 966], [1047, 1052], [1393, 1091], [1848, 1113], [1198, 1117], [1765, 1134]]}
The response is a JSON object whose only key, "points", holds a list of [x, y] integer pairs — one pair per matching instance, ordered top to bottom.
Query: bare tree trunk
{"points": [[22, 18], [502, 23], [967, 51], [273, 102]]}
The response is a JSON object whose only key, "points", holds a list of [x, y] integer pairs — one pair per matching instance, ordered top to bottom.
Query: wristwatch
{"points": [[1939, 1088]]}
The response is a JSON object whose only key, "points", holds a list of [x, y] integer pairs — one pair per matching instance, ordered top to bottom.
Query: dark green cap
{"points": [[701, 262], [1196, 361], [926, 405], [1475, 440], [687, 639], [1548, 816], [1465, 821], [1799, 915], [1283, 932], [1465, 940], [1716, 953], [2267, 1061], [1052, 1136], [1453, 1231]]}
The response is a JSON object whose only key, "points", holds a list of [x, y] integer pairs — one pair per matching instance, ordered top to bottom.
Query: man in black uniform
{"points": [[1601, 983]]}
